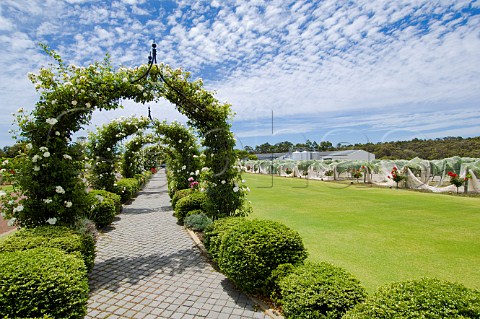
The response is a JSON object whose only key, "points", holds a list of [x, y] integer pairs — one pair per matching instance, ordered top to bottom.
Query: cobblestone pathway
{"points": [[147, 266]]}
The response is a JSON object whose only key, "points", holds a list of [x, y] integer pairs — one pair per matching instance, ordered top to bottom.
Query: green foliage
{"points": [[68, 97], [103, 146], [424, 148], [182, 156], [132, 160], [46, 186], [126, 188], [180, 194], [193, 201], [102, 207], [197, 221], [86, 227], [213, 234], [60, 237], [250, 251], [42, 282], [318, 290], [423, 298]]}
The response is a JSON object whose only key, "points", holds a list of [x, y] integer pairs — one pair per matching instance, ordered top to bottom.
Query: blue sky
{"points": [[342, 71]]}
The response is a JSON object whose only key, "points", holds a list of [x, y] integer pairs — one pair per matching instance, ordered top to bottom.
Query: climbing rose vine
{"points": [[68, 96]]}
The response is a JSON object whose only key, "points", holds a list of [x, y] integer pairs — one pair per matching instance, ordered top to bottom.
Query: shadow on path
{"points": [[114, 272]]}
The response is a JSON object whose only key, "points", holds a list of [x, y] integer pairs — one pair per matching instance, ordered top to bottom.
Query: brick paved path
{"points": [[147, 266]]}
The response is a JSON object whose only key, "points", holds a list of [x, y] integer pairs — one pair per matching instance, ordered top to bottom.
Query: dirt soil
{"points": [[4, 226]]}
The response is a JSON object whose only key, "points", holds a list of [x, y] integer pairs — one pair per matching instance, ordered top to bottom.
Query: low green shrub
{"points": [[147, 175], [141, 179], [172, 185], [126, 188], [181, 193], [194, 201], [102, 207], [198, 221], [86, 227], [213, 234], [60, 237], [251, 250], [277, 274], [42, 281], [318, 290], [423, 298]]}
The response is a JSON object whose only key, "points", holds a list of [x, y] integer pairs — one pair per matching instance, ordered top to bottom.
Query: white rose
{"points": [[51, 121]]}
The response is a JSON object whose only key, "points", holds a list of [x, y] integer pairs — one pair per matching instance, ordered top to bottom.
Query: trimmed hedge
{"points": [[126, 188], [180, 194], [194, 201], [102, 207], [197, 221], [213, 234], [60, 237], [251, 250], [42, 281], [318, 290], [423, 298]]}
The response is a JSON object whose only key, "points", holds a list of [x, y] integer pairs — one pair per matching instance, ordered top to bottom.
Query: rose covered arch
{"points": [[50, 187]]}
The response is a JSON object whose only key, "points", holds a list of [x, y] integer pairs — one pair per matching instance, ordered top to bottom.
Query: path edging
{"points": [[272, 313]]}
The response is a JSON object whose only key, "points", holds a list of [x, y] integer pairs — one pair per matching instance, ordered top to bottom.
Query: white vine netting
{"points": [[420, 174]]}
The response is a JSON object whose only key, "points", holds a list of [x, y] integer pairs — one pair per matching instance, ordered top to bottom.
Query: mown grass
{"points": [[6, 188], [380, 235]]}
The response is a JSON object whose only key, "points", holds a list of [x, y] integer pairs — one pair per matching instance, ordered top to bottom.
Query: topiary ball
{"points": [[423, 298]]}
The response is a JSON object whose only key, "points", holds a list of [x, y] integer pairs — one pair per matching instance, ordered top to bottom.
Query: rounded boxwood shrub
{"points": [[126, 188], [180, 194], [194, 201], [102, 207], [198, 221], [213, 234], [60, 237], [251, 250], [42, 281], [318, 290], [423, 298]]}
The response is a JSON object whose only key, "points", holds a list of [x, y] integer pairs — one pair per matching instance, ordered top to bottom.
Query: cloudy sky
{"points": [[342, 71]]}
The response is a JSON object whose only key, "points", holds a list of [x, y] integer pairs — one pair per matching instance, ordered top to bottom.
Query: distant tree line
{"points": [[427, 149]]}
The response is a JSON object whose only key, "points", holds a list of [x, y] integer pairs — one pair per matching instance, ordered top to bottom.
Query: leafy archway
{"points": [[102, 146], [183, 158], [131, 159], [50, 187]]}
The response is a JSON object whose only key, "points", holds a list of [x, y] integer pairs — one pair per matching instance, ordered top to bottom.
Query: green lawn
{"points": [[6, 188], [380, 235]]}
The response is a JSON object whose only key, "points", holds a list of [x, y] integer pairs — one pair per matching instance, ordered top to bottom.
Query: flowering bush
{"points": [[68, 97], [103, 145], [182, 156], [132, 159], [7, 170], [357, 173], [397, 177], [457, 180], [193, 183]]}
